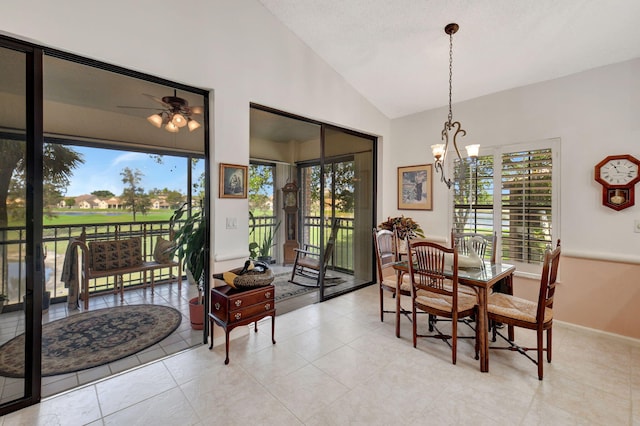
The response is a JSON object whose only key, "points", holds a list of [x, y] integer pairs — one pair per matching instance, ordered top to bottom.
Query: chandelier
{"points": [[177, 114], [452, 129]]}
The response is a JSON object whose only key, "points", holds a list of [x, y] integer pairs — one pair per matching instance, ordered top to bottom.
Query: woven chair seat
{"points": [[405, 285], [443, 302], [516, 308]]}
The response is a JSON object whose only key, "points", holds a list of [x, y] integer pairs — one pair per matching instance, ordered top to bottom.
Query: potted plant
{"points": [[404, 227], [190, 247], [261, 250]]}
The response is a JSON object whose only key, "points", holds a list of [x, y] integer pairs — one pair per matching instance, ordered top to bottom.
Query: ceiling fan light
{"points": [[156, 120], [179, 120], [193, 124], [170, 127]]}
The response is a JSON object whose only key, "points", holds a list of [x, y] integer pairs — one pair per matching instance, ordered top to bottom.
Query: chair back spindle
{"points": [[548, 281]]}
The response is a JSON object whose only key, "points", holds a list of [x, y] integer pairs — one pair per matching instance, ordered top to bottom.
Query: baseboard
{"points": [[626, 339]]}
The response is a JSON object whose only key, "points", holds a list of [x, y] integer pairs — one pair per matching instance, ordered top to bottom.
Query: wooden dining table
{"points": [[482, 279]]}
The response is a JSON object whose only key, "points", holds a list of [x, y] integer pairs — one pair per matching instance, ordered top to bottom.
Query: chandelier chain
{"points": [[450, 75]]}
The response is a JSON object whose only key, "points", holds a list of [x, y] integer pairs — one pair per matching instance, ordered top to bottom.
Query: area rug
{"points": [[286, 290], [94, 338]]}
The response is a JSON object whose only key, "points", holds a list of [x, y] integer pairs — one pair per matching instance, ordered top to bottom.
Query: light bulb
{"points": [[179, 120]]}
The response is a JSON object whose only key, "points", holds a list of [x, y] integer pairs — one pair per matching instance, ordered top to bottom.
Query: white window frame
{"points": [[523, 269]]}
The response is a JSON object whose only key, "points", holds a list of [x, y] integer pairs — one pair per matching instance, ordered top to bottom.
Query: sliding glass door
{"points": [[57, 112], [333, 170], [338, 206], [21, 260]]}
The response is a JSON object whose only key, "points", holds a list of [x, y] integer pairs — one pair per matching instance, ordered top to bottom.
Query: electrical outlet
{"points": [[232, 223], [636, 227]]}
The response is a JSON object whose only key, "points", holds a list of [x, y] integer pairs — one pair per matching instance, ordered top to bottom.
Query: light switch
{"points": [[232, 223]]}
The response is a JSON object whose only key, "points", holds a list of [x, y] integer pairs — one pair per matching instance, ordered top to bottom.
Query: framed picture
{"points": [[233, 181], [415, 188]]}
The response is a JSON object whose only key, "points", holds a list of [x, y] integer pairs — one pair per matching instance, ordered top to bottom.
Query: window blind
{"points": [[526, 205]]}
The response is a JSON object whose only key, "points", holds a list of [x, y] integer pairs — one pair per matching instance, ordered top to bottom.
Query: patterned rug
{"points": [[285, 289], [94, 338]]}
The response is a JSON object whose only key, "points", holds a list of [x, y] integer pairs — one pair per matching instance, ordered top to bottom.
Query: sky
{"points": [[102, 167]]}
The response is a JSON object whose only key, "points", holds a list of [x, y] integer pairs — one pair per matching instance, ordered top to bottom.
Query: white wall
{"points": [[235, 48], [594, 113]]}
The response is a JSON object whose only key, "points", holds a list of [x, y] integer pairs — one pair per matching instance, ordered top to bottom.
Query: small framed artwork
{"points": [[233, 181], [415, 188]]}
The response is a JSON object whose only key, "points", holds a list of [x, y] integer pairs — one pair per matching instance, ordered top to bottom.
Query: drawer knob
{"points": [[267, 295], [238, 303], [217, 306], [267, 306], [238, 315]]}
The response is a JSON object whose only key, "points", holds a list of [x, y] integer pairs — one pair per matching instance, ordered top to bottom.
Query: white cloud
{"points": [[129, 157]]}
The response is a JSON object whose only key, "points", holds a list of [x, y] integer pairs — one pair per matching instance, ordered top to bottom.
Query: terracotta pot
{"points": [[196, 314]]}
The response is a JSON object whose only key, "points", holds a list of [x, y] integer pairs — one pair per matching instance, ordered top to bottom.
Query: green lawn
{"points": [[97, 216]]}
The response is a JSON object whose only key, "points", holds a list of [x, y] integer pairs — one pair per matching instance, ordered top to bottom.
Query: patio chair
{"points": [[307, 262]]}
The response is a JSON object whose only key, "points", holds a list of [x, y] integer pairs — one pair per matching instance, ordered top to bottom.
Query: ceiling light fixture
{"points": [[176, 115], [192, 124], [451, 128]]}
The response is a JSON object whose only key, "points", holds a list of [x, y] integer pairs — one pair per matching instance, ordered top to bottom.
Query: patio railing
{"points": [[56, 239], [55, 242]]}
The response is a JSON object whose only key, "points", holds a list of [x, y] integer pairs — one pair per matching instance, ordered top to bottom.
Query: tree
{"points": [[58, 163], [339, 176], [260, 186], [343, 187], [103, 194], [133, 196], [174, 198], [69, 201]]}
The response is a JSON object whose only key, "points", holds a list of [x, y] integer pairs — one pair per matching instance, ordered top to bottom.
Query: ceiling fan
{"points": [[175, 114]]}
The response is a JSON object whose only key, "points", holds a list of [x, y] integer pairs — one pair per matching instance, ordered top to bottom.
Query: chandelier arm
{"points": [[458, 129], [443, 179]]}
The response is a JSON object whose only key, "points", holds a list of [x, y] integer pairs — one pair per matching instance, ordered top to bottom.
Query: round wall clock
{"points": [[618, 175]]}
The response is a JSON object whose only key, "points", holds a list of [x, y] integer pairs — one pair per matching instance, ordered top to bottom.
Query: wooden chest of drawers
{"points": [[231, 308]]}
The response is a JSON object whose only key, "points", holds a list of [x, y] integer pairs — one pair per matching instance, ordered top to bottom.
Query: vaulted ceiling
{"points": [[395, 52]]}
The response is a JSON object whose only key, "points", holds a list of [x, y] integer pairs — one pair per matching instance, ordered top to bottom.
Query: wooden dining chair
{"points": [[483, 244], [386, 251], [436, 294], [517, 312]]}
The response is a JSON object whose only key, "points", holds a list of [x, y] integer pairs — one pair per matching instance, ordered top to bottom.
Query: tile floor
{"points": [[12, 324], [335, 363]]}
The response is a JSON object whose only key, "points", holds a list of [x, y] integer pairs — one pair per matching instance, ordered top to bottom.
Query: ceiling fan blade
{"points": [[158, 100], [137, 107]]}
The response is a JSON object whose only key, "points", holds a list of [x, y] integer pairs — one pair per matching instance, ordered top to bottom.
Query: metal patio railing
{"points": [[55, 241]]}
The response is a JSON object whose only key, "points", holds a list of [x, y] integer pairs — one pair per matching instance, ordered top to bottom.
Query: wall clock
{"points": [[618, 175], [290, 201]]}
